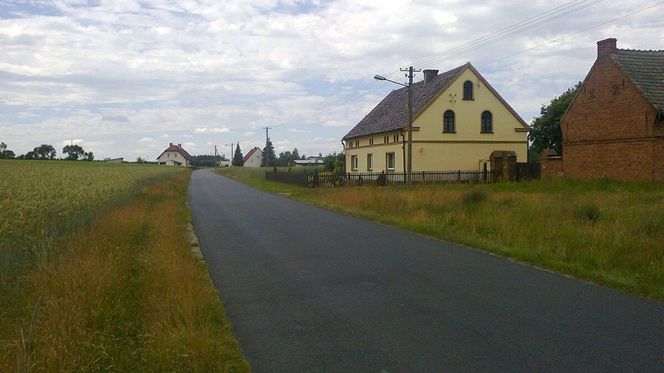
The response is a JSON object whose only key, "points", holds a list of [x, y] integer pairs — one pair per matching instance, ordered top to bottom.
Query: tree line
{"points": [[47, 152]]}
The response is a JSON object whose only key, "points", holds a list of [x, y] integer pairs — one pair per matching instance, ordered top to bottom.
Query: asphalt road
{"points": [[311, 290]]}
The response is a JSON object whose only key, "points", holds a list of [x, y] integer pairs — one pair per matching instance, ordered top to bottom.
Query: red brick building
{"points": [[614, 126]]}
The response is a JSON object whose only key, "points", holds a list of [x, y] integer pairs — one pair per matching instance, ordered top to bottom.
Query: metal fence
{"points": [[389, 178]]}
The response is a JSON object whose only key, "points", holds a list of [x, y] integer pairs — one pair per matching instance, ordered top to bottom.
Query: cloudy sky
{"points": [[123, 78]]}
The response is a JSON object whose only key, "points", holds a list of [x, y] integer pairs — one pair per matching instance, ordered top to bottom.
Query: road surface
{"points": [[311, 290]]}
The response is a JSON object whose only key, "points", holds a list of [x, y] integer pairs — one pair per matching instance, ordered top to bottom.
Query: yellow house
{"points": [[458, 121]]}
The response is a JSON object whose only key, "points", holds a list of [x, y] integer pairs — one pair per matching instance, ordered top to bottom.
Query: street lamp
{"points": [[409, 86]]}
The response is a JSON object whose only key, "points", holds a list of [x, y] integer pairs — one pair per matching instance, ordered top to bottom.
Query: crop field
{"points": [[41, 199], [111, 282]]}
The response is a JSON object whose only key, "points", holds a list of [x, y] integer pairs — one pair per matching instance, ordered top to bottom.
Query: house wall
{"points": [[608, 129], [467, 149], [378, 152], [170, 157], [255, 159]]}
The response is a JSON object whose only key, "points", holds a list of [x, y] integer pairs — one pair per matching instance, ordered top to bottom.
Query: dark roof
{"points": [[646, 69], [392, 114], [175, 148], [251, 152]]}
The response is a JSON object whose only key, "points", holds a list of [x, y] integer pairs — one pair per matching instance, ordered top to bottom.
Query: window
{"points": [[468, 90], [448, 122], [487, 122], [396, 138], [386, 139], [371, 141], [357, 143], [389, 161], [353, 162], [369, 162]]}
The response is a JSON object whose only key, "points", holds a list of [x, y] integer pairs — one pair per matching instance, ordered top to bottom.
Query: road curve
{"points": [[311, 290]]}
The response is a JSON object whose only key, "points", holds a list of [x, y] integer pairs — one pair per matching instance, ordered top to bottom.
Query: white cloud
{"points": [[121, 70]]}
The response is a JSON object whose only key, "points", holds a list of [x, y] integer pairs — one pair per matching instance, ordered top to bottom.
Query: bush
{"points": [[474, 196], [588, 212]]}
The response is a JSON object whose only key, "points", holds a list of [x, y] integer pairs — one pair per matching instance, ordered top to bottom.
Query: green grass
{"points": [[256, 178], [607, 232]]}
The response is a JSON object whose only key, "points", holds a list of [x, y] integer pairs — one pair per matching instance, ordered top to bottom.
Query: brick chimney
{"points": [[606, 47], [170, 144], [180, 146]]}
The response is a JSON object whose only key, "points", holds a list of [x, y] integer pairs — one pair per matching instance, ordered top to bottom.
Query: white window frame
{"points": [[390, 156]]}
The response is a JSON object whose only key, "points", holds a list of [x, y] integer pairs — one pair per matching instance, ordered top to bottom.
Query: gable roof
{"points": [[646, 69], [392, 114], [175, 148], [251, 152]]}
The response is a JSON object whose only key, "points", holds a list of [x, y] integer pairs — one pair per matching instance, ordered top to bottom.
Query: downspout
{"points": [[343, 146], [403, 152]]}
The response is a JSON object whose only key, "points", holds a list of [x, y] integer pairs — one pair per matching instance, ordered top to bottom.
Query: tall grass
{"points": [[606, 232], [123, 293]]}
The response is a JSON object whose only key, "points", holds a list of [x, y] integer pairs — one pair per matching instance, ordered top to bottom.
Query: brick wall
{"points": [[608, 130], [624, 160], [551, 165]]}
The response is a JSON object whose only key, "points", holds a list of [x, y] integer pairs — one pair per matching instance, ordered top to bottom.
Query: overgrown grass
{"points": [[608, 232], [123, 293]]}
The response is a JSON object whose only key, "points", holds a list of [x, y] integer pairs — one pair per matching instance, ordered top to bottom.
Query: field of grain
{"points": [[40, 200], [120, 289]]}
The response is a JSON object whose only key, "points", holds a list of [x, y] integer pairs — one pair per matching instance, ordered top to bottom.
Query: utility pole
{"points": [[267, 139], [232, 154], [216, 157], [409, 171]]}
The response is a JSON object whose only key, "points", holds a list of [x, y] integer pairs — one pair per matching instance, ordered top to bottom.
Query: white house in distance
{"points": [[174, 155], [254, 158]]}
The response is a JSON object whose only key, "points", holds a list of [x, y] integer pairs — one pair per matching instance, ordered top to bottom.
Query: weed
{"points": [[474, 196], [587, 212]]}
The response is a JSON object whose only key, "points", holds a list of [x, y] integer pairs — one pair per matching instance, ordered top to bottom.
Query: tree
{"points": [[545, 132], [43, 151], [74, 152], [5, 153], [268, 154], [88, 156], [238, 158], [140, 160], [335, 162]]}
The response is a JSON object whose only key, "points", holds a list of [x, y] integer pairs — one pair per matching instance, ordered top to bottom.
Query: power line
{"points": [[573, 33], [485, 40]]}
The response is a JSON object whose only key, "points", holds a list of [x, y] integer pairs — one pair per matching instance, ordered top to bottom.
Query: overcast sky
{"points": [[123, 78]]}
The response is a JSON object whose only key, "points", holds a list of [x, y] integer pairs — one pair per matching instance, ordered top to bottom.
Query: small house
{"points": [[174, 155]]}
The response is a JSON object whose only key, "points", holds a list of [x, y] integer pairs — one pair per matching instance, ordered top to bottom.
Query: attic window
{"points": [[468, 90]]}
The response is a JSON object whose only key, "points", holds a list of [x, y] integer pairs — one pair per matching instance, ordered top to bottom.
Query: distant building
{"points": [[459, 120], [614, 126], [174, 155], [254, 158], [114, 160], [310, 161], [224, 163]]}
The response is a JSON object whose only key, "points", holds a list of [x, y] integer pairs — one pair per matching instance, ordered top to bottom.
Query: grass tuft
{"points": [[474, 196], [587, 212]]}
